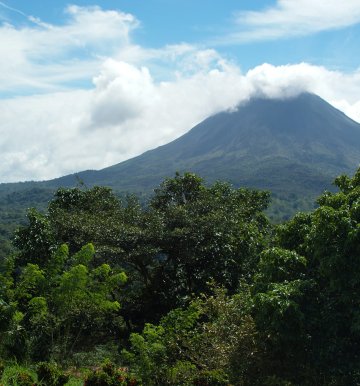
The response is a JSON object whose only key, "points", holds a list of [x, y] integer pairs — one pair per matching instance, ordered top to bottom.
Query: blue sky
{"points": [[215, 24], [122, 76]]}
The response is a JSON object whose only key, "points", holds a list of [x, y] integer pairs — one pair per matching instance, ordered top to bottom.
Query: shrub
{"points": [[2, 367], [50, 374], [109, 375], [18, 376], [211, 378], [275, 381]]}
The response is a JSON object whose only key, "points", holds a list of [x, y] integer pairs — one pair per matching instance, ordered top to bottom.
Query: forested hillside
{"points": [[14, 204], [195, 287]]}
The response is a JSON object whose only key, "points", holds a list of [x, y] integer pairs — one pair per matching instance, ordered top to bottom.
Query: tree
{"points": [[120, 230], [208, 233], [188, 235], [329, 241], [280, 293], [66, 306], [213, 341]]}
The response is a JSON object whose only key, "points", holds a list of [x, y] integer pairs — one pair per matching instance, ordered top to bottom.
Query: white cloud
{"points": [[295, 18], [40, 56], [286, 80], [340, 89], [122, 92], [40, 134]]}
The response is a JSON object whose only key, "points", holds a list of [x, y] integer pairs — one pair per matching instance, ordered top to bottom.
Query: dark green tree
{"points": [[208, 233], [189, 234], [326, 251]]}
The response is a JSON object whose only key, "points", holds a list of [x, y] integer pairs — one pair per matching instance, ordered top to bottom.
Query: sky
{"points": [[88, 84]]}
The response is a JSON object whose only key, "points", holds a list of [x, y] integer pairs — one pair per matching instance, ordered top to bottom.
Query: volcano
{"points": [[288, 146], [292, 147]]}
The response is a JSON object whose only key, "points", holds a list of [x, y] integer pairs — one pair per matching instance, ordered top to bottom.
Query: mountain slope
{"points": [[288, 146], [293, 147]]}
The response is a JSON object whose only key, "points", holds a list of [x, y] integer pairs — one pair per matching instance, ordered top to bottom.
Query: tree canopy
{"points": [[195, 287]]}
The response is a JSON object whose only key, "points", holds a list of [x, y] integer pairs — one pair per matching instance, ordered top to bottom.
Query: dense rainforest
{"points": [[195, 287]]}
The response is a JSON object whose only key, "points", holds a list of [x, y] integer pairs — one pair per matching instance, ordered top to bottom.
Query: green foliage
{"points": [[178, 191], [15, 199], [80, 216], [207, 233], [188, 235], [293, 235], [329, 240], [35, 241], [277, 265], [66, 306], [282, 306], [278, 312], [207, 343], [98, 354], [148, 355], [50, 374], [16, 375], [109, 375], [211, 378], [274, 380]]}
